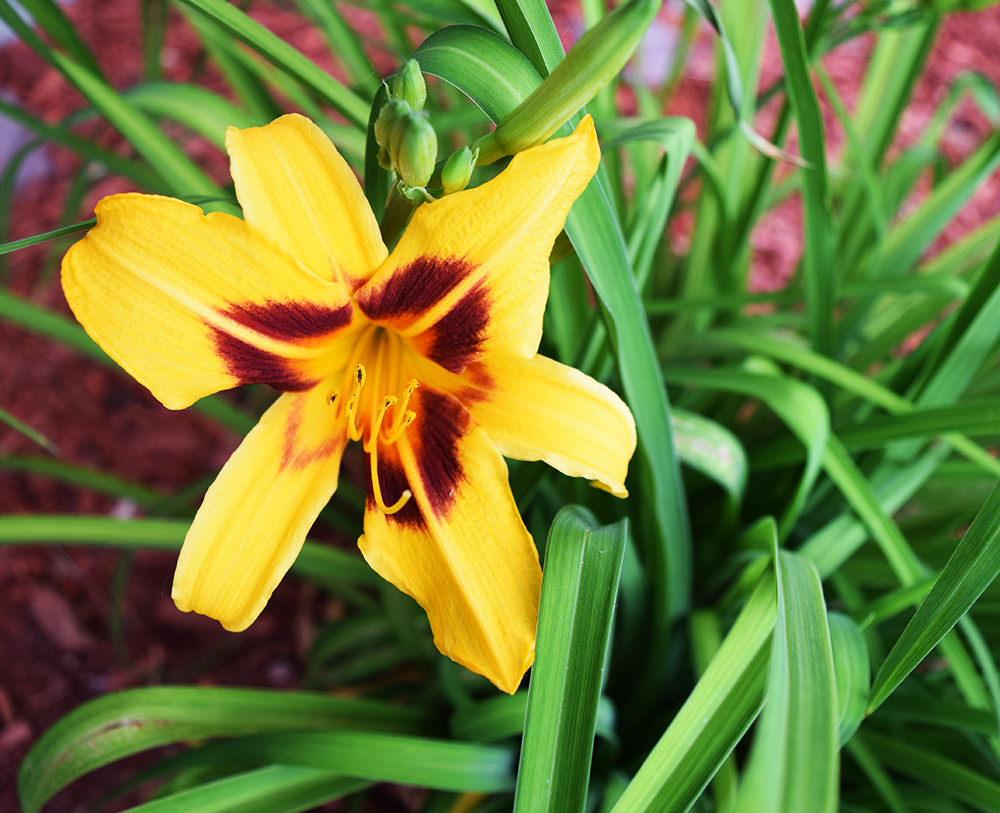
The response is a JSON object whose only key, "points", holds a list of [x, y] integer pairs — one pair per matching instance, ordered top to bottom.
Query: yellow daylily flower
{"points": [[426, 355]]}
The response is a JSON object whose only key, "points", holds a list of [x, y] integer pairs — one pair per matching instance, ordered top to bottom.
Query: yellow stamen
{"points": [[387, 402], [401, 421], [353, 432], [394, 434], [404, 498]]}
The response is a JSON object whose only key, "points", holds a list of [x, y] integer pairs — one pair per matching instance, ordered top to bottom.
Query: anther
{"points": [[402, 419]]}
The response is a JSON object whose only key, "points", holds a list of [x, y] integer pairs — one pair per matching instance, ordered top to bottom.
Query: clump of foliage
{"points": [[811, 510]]}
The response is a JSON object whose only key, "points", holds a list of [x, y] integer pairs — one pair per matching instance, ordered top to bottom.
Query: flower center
{"points": [[376, 405]]}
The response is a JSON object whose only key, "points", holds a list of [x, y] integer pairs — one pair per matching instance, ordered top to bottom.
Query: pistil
{"points": [[363, 421], [372, 448]]}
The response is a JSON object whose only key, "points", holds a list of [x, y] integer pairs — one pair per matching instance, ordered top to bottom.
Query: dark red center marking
{"points": [[413, 289], [283, 321], [288, 321], [456, 339], [251, 365], [434, 436]]}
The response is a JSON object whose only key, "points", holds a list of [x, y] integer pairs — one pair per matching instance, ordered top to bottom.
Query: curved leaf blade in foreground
{"points": [[817, 264], [582, 566], [970, 570], [852, 670], [714, 718], [117, 725], [374, 756], [793, 766], [274, 789]]}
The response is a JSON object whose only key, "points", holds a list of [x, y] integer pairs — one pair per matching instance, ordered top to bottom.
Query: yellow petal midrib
{"points": [[408, 457]]}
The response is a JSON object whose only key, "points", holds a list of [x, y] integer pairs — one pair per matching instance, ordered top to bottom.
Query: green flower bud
{"points": [[591, 63], [409, 85], [388, 116], [413, 146], [457, 170]]}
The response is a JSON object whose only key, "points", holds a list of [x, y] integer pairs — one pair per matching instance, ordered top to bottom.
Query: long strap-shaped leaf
{"points": [[50, 18], [137, 171], [180, 174], [818, 260], [44, 322], [316, 562], [582, 566], [970, 570], [714, 717], [117, 725], [373, 755], [793, 765], [272, 789]]}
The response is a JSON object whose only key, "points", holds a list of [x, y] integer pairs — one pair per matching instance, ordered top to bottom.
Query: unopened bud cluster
{"points": [[407, 141]]}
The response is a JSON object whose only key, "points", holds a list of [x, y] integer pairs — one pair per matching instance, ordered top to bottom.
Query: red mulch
{"points": [[58, 603]]}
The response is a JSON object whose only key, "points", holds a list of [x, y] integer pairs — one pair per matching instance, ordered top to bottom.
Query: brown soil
{"points": [[58, 605]]}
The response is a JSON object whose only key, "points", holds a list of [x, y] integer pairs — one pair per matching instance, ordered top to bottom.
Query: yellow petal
{"points": [[295, 188], [470, 275], [191, 304], [539, 409], [256, 514], [458, 546]]}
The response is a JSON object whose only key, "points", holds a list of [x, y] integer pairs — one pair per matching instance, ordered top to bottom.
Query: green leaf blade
{"points": [[582, 567], [970, 570], [714, 717], [135, 720], [793, 766]]}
